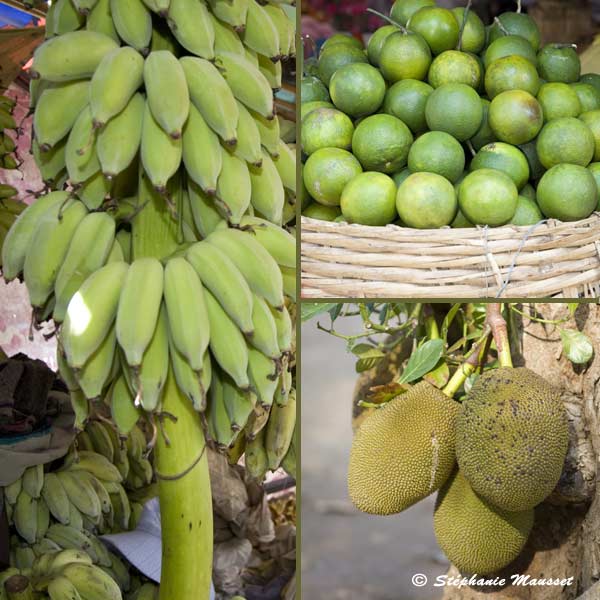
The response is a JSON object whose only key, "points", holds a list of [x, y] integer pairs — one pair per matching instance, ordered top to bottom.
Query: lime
{"points": [[403, 10], [517, 24], [438, 26], [473, 37], [341, 38], [376, 42], [509, 45], [404, 56], [335, 57], [557, 62], [453, 66], [511, 73], [592, 79], [357, 89], [312, 90], [589, 96], [406, 100], [559, 100], [307, 107], [456, 109], [516, 117], [592, 120], [326, 128], [484, 135], [566, 140], [381, 143], [437, 152], [505, 158], [536, 168], [594, 169], [327, 171], [401, 176], [528, 191], [568, 193], [488, 197], [369, 199], [426, 201], [323, 213], [527, 213], [460, 221]]}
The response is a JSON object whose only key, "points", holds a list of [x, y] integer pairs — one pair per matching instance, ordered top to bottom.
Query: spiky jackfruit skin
{"points": [[512, 438], [403, 452], [476, 536]]}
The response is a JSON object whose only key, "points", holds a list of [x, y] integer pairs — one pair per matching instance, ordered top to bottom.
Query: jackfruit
{"points": [[512, 438], [403, 452], [476, 536]]}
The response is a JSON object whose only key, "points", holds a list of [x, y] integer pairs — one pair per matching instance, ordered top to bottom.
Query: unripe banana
{"points": [[84, 6], [160, 7], [233, 12], [64, 18], [100, 20], [133, 23], [190, 23], [284, 26], [260, 33], [226, 39], [75, 55], [273, 72], [115, 81], [247, 83], [212, 96], [57, 110], [270, 133], [248, 136], [161, 154], [81, 159], [285, 163], [233, 187], [95, 191], [268, 196], [205, 214], [18, 240], [277, 241], [49, 247], [88, 251], [255, 263], [288, 276], [223, 279], [186, 310], [91, 313], [264, 337], [95, 373], [263, 376], [188, 380], [238, 404], [81, 408], [124, 412], [219, 425], [280, 430], [101, 440], [120, 459], [289, 460], [257, 463], [96, 464], [33, 480], [12, 491], [80, 493], [56, 498], [121, 507], [25, 517], [75, 518], [43, 519], [67, 537], [24, 557], [65, 557], [120, 572], [92, 582], [61, 588], [148, 591]]}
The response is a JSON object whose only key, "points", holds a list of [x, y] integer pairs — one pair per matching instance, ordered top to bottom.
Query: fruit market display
{"points": [[444, 121], [164, 248]]}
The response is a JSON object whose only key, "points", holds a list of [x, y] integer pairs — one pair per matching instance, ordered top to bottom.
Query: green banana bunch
{"points": [[232, 12], [100, 20], [133, 22], [190, 23], [261, 34], [81, 158], [233, 187], [267, 195], [276, 240], [280, 430]]}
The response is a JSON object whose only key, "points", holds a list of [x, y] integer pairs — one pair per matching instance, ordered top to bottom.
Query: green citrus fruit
{"points": [[403, 10], [517, 24], [438, 26], [473, 37], [341, 38], [376, 42], [509, 45], [404, 56], [335, 57], [559, 63], [453, 66], [511, 73], [592, 79], [357, 89], [312, 90], [589, 96], [406, 100], [559, 100], [308, 107], [456, 109], [516, 117], [592, 120], [326, 128], [484, 135], [566, 140], [381, 143], [437, 152], [503, 157], [536, 168], [594, 169], [327, 171], [401, 176], [528, 191], [568, 193], [488, 197], [369, 199], [426, 201], [323, 213], [527, 213], [460, 221]]}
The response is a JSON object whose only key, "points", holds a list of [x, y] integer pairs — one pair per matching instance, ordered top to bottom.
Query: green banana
{"points": [[84, 6], [160, 7], [232, 12], [63, 18], [100, 20], [133, 22], [190, 23], [285, 28], [260, 33], [226, 39], [74, 55], [273, 71], [115, 81], [212, 96], [57, 110], [270, 133], [248, 146], [202, 155], [81, 159], [285, 163], [233, 187], [95, 191], [268, 196], [205, 214], [277, 241], [116, 253], [288, 276], [223, 279], [187, 311], [91, 313], [285, 329], [264, 337], [95, 373], [263, 376], [188, 380], [238, 404], [81, 408], [123, 410], [219, 425], [280, 430], [102, 442], [120, 459], [289, 461], [257, 462], [96, 464], [33, 480], [12, 491], [81, 494], [56, 498], [121, 507], [25, 517], [75, 518], [43, 519], [68, 537], [24, 557], [63, 558], [120, 572], [91, 582], [61, 588], [148, 591]]}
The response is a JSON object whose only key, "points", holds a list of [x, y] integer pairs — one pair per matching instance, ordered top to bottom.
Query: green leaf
{"points": [[573, 306], [312, 309], [334, 312], [383, 314], [577, 346], [361, 348], [368, 359], [422, 360], [439, 376]]}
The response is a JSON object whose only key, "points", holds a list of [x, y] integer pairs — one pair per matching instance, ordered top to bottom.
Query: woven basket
{"points": [[550, 259]]}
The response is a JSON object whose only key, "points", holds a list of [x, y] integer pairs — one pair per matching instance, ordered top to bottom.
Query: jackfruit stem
{"points": [[390, 20], [464, 24], [431, 327], [499, 328]]}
